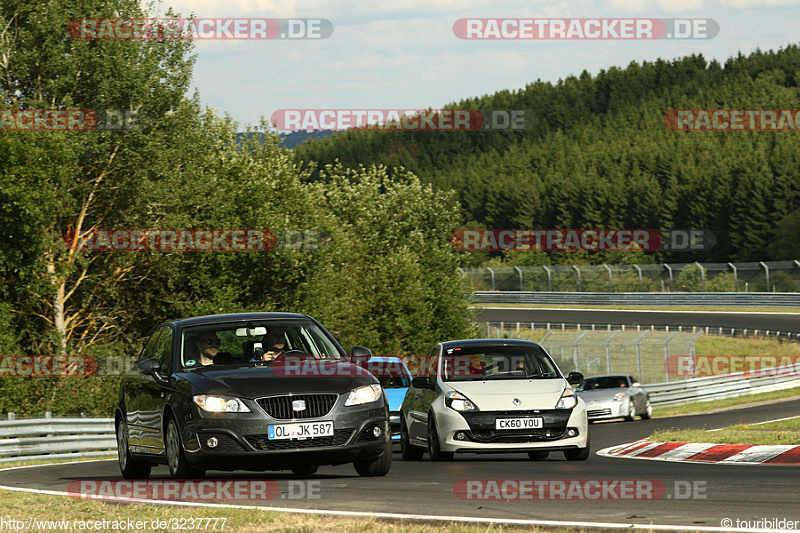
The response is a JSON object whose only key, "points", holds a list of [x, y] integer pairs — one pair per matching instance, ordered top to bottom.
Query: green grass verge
{"points": [[645, 307], [726, 403], [782, 432]]}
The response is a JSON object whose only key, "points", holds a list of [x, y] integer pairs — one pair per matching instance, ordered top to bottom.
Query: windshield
{"points": [[255, 342], [496, 362], [607, 382]]}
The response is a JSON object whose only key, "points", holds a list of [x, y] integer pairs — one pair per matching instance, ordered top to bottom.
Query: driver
{"points": [[274, 343], [208, 347]]}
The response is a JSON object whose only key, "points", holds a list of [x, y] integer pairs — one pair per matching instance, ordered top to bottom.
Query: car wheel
{"points": [[631, 411], [648, 411], [407, 452], [435, 453], [581, 454], [538, 455], [130, 467], [179, 467], [378, 467], [306, 470]]}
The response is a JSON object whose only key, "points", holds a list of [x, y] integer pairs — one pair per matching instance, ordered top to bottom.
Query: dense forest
{"points": [[601, 156]]}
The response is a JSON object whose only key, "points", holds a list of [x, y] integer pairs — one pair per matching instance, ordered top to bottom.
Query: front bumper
{"points": [[606, 410], [475, 432], [242, 444]]}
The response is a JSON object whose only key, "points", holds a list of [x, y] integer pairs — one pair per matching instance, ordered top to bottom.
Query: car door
{"points": [[131, 386], [155, 388], [422, 400]]}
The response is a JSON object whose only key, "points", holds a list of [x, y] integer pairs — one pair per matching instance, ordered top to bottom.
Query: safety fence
{"points": [[762, 276], [634, 299]]}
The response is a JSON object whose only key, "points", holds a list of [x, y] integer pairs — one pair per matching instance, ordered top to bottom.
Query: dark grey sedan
{"points": [[256, 391], [614, 396]]}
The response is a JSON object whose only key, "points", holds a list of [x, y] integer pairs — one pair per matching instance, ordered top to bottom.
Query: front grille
{"points": [[280, 407], [598, 412], [531, 435], [262, 443]]}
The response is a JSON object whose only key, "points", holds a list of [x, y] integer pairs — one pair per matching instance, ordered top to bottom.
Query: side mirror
{"points": [[359, 355], [150, 366], [573, 378], [422, 382], [636, 384]]}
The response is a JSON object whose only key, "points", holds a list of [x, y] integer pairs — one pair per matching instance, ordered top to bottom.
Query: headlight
{"points": [[365, 394], [618, 397], [568, 400], [458, 402], [220, 404]]}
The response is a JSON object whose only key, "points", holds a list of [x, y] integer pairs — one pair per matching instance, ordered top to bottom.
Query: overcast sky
{"points": [[404, 54]]}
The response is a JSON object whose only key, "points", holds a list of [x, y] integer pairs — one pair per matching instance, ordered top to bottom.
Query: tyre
{"points": [[631, 411], [648, 411], [407, 452], [435, 453], [581, 454], [538, 455], [130, 467], [179, 467], [378, 467], [305, 470]]}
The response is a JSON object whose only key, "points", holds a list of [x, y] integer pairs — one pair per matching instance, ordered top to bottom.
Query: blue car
{"points": [[395, 378]]}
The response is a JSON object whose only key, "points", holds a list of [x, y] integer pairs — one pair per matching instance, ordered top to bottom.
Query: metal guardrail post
{"points": [[578, 270], [639, 270], [766, 270], [492, 273], [702, 275], [735, 276], [549, 278], [610, 278], [671, 281], [521, 286], [608, 351], [576, 352], [639, 353], [666, 354]]}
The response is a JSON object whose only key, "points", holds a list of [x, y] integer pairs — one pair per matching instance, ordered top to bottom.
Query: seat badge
{"points": [[299, 405]]}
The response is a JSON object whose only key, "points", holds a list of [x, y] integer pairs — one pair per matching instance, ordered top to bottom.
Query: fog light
{"points": [[376, 431], [572, 433], [461, 435], [212, 442]]}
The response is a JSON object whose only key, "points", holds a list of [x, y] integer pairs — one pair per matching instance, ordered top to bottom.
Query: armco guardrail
{"points": [[727, 299], [717, 387], [56, 438]]}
